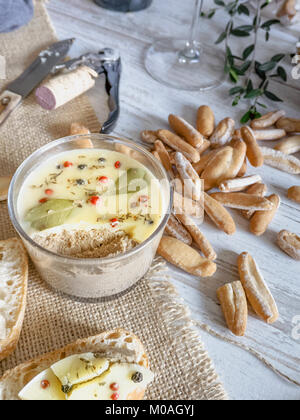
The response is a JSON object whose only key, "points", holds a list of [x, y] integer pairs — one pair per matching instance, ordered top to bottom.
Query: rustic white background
{"points": [[146, 105]]}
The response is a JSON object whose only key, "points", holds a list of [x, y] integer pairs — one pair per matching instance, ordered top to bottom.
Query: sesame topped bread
{"points": [[13, 291], [117, 345]]}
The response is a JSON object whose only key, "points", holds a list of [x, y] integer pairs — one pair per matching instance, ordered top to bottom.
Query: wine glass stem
{"points": [[191, 52]]}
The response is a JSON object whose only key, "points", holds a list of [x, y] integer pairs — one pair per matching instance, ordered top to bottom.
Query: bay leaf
{"points": [[131, 181], [53, 212]]}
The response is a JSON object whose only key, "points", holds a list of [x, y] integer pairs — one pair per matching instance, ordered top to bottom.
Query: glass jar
{"points": [[92, 278]]}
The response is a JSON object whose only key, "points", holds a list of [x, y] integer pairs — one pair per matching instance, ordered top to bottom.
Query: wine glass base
{"points": [[165, 63]]}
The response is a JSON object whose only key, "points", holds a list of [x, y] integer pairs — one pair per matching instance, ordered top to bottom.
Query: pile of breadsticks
{"points": [[208, 168]]}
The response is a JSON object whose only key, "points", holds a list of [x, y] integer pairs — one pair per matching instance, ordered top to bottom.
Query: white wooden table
{"points": [[146, 105]]}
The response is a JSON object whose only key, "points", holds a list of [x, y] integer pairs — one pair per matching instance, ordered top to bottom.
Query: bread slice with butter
{"points": [[13, 293], [112, 365]]}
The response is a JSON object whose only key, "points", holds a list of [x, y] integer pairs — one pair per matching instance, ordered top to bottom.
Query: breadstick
{"points": [[288, 9], [66, 86], [205, 120], [267, 120], [290, 125], [78, 129], [186, 130], [223, 133], [270, 134], [237, 135], [149, 136], [176, 143], [205, 145], [289, 146], [254, 153], [156, 155], [164, 157], [238, 158], [204, 160], [281, 161], [217, 168], [243, 169], [190, 178], [239, 184], [4, 187], [257, 189], [294, 194], [243, 201], [184, 205], [219, 215], [261, 219], [175, 229], [200, 240], [290, 243], [185, 257], [256, 289], [233, 301]]}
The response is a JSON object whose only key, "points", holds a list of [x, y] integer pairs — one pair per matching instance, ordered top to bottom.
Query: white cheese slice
{"points": [[79, 368], [120, 374], [34, 390]]}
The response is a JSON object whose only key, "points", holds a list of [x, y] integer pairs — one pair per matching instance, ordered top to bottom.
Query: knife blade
{"points": [[20, 88]]}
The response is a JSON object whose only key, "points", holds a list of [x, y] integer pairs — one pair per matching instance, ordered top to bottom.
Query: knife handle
{"points": [[9, 101]]}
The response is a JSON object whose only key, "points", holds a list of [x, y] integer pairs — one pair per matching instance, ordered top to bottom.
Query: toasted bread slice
{"points": [[13, 293], [117, 345]]}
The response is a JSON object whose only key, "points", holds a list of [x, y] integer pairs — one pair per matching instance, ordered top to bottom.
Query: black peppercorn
{"points": [[101, 160], [82, 166], [59, 167], [80, 181], [137, 377]]}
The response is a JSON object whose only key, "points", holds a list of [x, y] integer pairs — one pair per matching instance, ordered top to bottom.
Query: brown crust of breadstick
{"points": [[288, 9], [205, 120], [267, 120], [290, 125], [80, 129], [186, 130], [223, 133], [149, 136], [178, 144], [205, 145], [289, 145], [254, 153], [164, 157], [238, 158], [204, 160], [217, 168], [243, 169], [239, 184], [256, 189], [294, 194], [243, 201], [184, 205], [219, 215], [261, 219], [175, 229], [199, 238], [289, 243], [185, 257], [256, 289], [234, 305]]}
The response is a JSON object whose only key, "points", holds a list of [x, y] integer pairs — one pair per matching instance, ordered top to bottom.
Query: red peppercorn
{"points": [[68, 164], [118, 165], [103, 179], [49, 192], [143, 199], [43, 200], [94, 200], [114, 222], [45, 384], [114, 386], [115, 396]]}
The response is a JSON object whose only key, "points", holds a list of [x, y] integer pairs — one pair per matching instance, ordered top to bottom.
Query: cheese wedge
{"points": [[79, 368], [121, 374], [43, 387]]}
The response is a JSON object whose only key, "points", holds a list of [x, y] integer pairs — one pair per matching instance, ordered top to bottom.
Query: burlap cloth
{"points": [[152, 310]]}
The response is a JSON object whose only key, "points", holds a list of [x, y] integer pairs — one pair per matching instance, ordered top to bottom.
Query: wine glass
{"points": [[186, 65]]}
